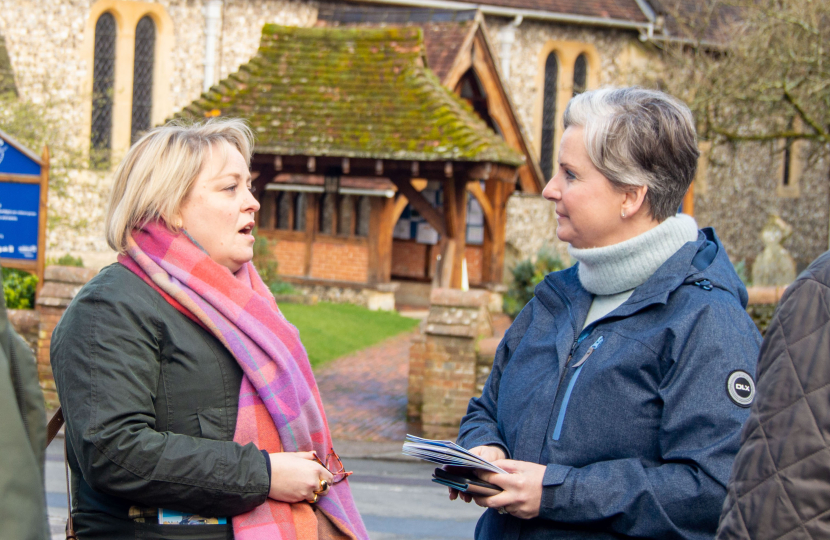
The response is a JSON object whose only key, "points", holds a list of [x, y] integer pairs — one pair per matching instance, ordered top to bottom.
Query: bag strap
{"points": [[55, 424]]}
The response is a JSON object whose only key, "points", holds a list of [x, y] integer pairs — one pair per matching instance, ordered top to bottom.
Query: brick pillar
{"points": [[60, 285], [443, 362]]}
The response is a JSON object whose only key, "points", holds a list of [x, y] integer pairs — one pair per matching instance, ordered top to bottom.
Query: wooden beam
{"points": [[417, 200], [483, 201], [401, 202], [455, 212], [381, 225], [41, 226], [310, 230]]}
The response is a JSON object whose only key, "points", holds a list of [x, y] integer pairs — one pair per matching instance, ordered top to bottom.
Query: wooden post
{"points": [[497, 193], [689, 201], [455, 211], [381, 226], [310, 230], [41, 235]]}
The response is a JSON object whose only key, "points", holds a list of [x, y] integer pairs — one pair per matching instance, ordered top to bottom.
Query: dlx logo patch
{"points": [[741, 388]]}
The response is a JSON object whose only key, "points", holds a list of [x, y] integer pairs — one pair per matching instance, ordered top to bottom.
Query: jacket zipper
{"points": [[557, 431]]}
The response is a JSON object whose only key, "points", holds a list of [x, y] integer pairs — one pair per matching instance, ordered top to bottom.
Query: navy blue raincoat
{"points": [[632, 415]]}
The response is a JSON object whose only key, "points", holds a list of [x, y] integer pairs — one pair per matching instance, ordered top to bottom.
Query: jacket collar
{"points": [[695, 261]]}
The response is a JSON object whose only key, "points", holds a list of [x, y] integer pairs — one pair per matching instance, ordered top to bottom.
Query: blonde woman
{"points": [[186, 392]]}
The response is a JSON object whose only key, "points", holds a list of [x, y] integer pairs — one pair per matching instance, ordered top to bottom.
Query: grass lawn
{"points": [[330, 331]]}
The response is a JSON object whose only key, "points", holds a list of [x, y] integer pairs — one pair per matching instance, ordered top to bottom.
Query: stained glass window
{"points": [[145, 51], [580, 74], [103, 82], [549, 115]]}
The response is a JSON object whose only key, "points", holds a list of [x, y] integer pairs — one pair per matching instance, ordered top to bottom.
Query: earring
{"points": [[623, 213], [178, 224]]}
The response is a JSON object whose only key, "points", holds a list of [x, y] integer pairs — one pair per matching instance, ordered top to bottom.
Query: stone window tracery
{"points": [[144, 60], [580, 74], [103, 83], [549, 115]]}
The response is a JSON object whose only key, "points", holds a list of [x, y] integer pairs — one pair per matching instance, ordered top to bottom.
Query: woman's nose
{"points": [[551, 191], [251, 204]]}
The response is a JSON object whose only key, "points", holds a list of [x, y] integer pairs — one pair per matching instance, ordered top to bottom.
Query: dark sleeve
{"points": [[106, 360], [479, 427], [22, 442], [779, 481], [682, 496]]}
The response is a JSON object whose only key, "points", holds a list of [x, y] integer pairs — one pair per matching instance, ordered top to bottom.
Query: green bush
{"points": [[66, 260], [265, 262], [743, 272], [526, 275], [19, 288]]}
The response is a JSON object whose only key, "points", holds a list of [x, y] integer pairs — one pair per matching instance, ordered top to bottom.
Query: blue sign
{"points": [[13, 161], [19, 209]]}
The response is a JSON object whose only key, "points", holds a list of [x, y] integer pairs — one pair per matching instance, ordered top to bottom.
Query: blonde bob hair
{"points": [[156, 175]]}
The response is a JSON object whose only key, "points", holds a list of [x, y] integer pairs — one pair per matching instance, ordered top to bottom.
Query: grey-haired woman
{"points": [[619, 392]]}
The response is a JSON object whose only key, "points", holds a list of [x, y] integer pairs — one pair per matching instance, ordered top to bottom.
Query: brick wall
{"points": [[290, 257], [475, 258], [409, 259], [340, 261]]}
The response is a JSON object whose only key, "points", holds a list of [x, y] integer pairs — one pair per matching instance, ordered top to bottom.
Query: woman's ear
{"points": [[633, 201]]}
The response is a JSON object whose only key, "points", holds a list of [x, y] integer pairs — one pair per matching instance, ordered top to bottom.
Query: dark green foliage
{"points": [[265, 260], [743, 273], [526, 275], [281, 287], [19, 288], [761, 315]]}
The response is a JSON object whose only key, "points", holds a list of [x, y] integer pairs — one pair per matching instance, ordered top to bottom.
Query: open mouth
{"points": [[247, 229]]}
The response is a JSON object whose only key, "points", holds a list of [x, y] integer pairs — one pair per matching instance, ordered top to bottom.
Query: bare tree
{"points": [[752, 70]]}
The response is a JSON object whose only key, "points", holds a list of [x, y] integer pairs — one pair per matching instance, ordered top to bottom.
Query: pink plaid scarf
{"points": [[279, 404]]}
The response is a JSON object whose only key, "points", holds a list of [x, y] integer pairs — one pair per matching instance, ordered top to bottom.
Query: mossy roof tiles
{"points": [[351, 92]]}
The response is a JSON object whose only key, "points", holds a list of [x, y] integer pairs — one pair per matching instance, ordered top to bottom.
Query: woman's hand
{"points": [[491, 454], [295, 476], [522, 495]]}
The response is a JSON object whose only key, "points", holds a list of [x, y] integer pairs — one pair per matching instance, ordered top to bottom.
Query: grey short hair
{"points": [[639, 137], [155, 177]]}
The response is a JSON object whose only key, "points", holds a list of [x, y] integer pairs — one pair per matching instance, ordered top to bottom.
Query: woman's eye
{"points": [[569, 175], [231, 188]]}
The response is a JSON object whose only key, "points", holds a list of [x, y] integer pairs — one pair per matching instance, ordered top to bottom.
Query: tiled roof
{"points": [[625, 10], [444, 30], [351, 92]]}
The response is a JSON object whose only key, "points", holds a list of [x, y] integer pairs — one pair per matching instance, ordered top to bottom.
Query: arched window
{"points": [[145, 52], [580, 74], [103, 82], [549, 115], [300, 202], [284, 207], [364, 208], [344, 216]]}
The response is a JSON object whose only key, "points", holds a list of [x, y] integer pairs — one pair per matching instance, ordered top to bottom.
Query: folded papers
{"points": [[446, 453]]}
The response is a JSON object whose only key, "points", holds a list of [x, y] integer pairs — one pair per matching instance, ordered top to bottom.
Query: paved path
{"points": [[365, 393]]}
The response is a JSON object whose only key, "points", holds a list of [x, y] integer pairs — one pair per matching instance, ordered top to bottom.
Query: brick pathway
{"points": [[365, 393]]}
